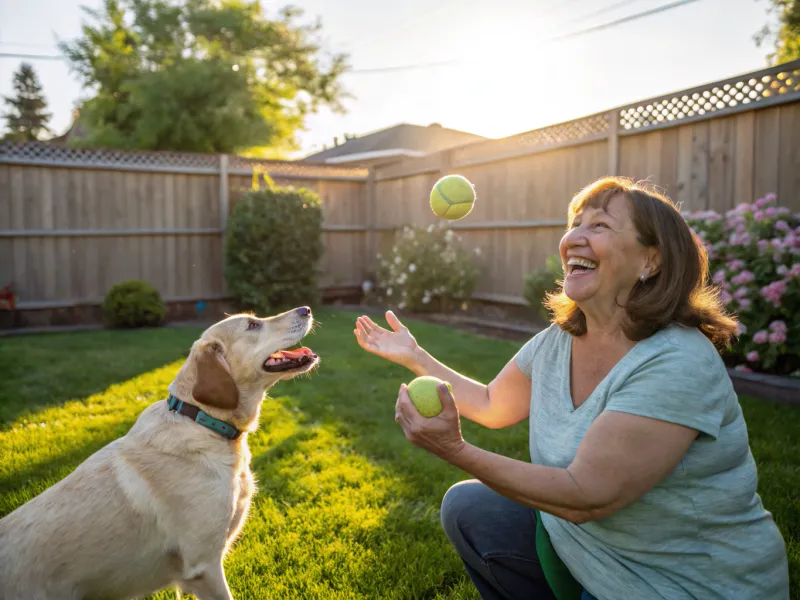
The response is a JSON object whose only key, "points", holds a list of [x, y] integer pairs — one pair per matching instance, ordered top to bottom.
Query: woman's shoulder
{"points": [[544, 343], [686, 343]]}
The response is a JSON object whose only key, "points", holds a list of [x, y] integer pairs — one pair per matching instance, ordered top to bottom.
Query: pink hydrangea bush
{"points": [[754, 261]]}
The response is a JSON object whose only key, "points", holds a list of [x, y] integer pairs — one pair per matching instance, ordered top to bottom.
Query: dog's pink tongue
{"points": [[295, 354]]}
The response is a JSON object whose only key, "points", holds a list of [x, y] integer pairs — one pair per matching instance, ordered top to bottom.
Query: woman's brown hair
{"points": [[677, 293]]}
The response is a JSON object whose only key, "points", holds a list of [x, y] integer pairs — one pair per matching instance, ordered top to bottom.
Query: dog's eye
{"points": [[253, 325]]}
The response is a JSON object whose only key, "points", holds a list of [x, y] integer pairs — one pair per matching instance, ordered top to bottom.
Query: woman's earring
{"points": [[642, 277]]}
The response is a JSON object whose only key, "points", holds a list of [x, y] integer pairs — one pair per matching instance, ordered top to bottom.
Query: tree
{"points": [[786, 37], [201, 75], [26, 118]]}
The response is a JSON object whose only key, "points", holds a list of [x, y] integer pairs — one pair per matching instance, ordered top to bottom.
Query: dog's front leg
{"points": [[210, 585]]}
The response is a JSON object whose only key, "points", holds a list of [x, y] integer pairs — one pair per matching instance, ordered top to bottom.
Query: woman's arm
{"points": [[504, 402], [621, 457]]}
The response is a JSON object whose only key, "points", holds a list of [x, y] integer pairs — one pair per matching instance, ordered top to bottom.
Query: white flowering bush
{"points": [[754, 259], [428, 270]]}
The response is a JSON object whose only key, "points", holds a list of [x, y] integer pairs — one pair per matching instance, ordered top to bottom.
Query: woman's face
{"points": [[602, 256]]}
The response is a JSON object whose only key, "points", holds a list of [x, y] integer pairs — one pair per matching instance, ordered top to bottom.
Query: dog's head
{"points": [[243, 355]]}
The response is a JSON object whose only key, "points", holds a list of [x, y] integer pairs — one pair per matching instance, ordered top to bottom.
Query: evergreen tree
{"points": [[26, 117]]}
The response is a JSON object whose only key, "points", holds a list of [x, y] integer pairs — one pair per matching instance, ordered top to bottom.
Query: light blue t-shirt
{"points": [[700, 533]]}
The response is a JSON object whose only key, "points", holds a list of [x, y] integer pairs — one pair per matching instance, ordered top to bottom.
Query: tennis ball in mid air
{"points": [[452, 197], [425, 396]]}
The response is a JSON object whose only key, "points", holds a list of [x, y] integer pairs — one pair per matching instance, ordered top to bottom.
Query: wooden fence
{"points": [[711, 147], [75, 221]]}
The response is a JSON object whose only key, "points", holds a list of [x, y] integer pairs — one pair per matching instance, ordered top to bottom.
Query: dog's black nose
{"points": [[304, 311]]}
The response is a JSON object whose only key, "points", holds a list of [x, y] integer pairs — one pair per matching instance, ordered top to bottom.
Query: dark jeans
{"points": [[496, 539]]}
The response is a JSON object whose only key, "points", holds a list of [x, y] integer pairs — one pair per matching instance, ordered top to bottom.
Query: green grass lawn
{"points": [[346, 508]]}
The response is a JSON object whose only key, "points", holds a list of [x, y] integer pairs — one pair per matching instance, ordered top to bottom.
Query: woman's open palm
{"points": [[397, 346]]}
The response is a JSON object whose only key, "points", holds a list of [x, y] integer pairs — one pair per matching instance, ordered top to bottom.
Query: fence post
{"points": [[613, 142], [224, 191], [372, 213]]}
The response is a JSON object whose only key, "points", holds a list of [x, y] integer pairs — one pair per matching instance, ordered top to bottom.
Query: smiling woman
{"points": [[641, 482]]}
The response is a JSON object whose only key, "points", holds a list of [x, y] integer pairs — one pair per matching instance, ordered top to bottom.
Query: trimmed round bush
{"points": [[273, 248], [133, 303]]}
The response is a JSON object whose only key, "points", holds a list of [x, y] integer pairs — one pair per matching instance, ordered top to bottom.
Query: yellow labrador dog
{"points": [[161, 506]]}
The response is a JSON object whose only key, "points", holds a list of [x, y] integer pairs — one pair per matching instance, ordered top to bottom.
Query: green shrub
{"points": [[273, 247], [428, 270], [540, 282], [133, 303]]}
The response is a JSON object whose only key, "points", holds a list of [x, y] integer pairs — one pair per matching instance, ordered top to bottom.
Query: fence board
{"points": [[767, 144], [788, 189]]}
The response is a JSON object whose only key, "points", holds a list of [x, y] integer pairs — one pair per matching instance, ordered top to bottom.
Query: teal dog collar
{"points": [[201, 418]]}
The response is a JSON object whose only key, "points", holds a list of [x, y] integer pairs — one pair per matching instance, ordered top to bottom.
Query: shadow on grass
{"points": [[41, 370], [21, 485]]}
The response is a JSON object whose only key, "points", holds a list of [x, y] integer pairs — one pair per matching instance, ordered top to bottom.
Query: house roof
{"points": [[401, 140]]}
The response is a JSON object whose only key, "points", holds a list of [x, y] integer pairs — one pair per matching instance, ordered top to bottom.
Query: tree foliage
{"points": [[786, 36], [201, 75], [26, 117]]}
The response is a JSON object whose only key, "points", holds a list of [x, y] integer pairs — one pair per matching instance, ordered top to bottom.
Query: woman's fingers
{"points": [[393, 321]]}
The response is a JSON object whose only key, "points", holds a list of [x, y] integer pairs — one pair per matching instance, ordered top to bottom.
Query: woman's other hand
{"points": [[398, 345]]}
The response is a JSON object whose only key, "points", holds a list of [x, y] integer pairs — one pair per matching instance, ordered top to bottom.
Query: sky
{"points": [[503, 73]]}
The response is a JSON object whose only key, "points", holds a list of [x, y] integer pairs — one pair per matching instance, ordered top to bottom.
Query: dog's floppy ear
{"points": [[214, 385]]}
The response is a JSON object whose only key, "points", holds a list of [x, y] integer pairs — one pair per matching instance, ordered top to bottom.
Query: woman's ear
{"points": [[653, 265], [214, 385]]}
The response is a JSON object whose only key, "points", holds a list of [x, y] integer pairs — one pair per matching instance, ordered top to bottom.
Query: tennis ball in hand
{"points": [[452, 197], [425, 396]]}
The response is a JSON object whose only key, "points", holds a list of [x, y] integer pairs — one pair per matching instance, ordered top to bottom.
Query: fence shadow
{"points": [[43, 370]]}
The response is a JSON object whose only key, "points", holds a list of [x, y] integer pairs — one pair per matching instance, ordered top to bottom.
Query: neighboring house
{"points": [[76, 131], [393, 144]]}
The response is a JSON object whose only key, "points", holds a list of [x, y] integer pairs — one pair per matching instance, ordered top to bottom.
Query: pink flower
{"points": [[762, 202], [771, 211], [758, 215], [781, 225], [776, 243], [763, 245], [736, 265], [782, 270], [796, 270], [719, 276], [743, 277], [773, 292], [740, 293], [725, 297], [745, 303], [778, 327], [741, 328], [760, 337], [777, 338], [753, 356]]}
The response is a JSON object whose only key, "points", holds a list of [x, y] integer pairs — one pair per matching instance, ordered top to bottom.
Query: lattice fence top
{"points": [[763, 86], [553, 135], [45, 154], [57, 155], [276, 168]]}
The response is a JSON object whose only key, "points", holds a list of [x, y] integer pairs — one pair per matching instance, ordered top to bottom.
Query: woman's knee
{"points": [[461, 506]]}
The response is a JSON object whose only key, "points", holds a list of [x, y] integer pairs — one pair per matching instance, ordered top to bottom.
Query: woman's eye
{"points": [[599, 224], [253, 325]]}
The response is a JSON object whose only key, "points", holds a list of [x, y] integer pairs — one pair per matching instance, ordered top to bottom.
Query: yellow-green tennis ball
{"points": [[452, 197], [425, 396]]}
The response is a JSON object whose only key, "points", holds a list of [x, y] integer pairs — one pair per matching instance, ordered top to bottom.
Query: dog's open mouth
{"points": [[289, 360]]}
